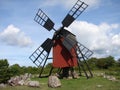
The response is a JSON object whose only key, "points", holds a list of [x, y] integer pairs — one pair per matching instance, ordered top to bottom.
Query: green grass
{"points": [[73, 84]]}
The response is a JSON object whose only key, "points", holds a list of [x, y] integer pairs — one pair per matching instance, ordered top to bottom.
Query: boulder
{"points": [[73, 74], [26, 76], [112, 78], [14, 81], [21, 82], [26, 82], [54, 82], [33, 84], [2, 85]]}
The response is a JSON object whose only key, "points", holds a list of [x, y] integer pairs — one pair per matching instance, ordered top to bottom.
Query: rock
{"points": [[101, 74], [30, 75], [75, 75], [26, 76], [104, 76], [70, 77], [108, 77], [112, 78], [14, 81], [27, 81], [21, 82], [54, 82], [33, 84], [2, 85], [99, 86]]}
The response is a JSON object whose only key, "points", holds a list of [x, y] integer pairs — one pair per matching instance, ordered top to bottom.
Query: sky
{"points": [[98, 27]]}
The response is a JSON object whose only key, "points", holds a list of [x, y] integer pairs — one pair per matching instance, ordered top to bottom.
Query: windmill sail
{"points": [[76, 10], [42, 19], [83, 53], [40, 55]]}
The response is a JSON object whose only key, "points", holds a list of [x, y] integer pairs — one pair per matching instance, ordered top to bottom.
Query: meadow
{"points": [[95, 83]]}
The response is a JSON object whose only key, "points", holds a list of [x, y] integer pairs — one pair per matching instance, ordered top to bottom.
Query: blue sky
{"points": [[98, 27]]}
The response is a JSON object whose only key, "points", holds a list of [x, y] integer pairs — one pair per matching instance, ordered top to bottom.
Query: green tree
{"points": [[110, 62], [118, 62], [92, 63], [100, 63], [105, 63], [23, 69], [15, 70], [4, 71]]}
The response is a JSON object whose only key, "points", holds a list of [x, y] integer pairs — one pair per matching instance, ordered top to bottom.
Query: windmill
{"points": [[67, 51]]}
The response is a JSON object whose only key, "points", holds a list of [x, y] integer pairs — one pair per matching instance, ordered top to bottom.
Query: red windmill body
{"points": [[62, 57]]}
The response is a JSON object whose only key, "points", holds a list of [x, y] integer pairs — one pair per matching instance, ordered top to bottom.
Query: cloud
{"points": [[69, 3], [93, 3], [14, 37], [101, 38], [116, 40]]}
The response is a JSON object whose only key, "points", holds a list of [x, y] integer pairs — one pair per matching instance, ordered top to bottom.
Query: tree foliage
{"points": [[92, 62], [118, 62], [105, 63], [15, 70], [4, 71]]}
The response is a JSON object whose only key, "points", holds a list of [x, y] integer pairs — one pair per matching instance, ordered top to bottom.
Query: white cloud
{"points": [[69, 3], [13, 36], [99, 38], [116, 40]]}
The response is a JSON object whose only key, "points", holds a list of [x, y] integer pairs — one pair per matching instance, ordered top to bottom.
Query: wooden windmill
{"points": [[67, 51]]}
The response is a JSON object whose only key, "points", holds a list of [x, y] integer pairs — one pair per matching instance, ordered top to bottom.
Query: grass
{"points": [[73, 84]]}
